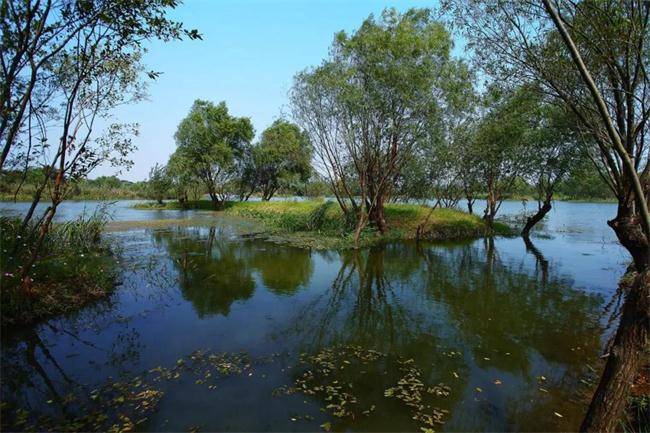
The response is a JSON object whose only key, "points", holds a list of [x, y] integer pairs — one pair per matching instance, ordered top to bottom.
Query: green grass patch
{"points": [[322, 224]]}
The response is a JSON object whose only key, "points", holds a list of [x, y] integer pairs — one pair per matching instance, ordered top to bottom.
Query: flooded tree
{"points": [[592, 58], [369, 103], [281, 158], [158, 183]]}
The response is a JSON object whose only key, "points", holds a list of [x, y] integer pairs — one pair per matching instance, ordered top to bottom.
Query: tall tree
{"points": [[37, 33], [592, 56], [367, 105], [210, 140], [499, 142], [551, 156], [282, 157], [158, 183]]}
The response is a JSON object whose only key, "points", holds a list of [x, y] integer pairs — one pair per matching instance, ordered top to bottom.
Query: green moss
{"points": [[321, 224]]}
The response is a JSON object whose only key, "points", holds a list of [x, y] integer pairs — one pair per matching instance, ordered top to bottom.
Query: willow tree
{"points": [[592, 57], [370, 102], [209, 140], [499, 140], [553, 157], [281, 158]]}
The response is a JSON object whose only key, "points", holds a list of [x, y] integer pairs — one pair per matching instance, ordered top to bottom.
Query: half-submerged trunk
{"points": [[470, 205], [531, 221], [630, 346], [624, 360]]}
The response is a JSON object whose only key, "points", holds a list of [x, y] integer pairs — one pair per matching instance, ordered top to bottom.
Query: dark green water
{"points": [[487, 335]]}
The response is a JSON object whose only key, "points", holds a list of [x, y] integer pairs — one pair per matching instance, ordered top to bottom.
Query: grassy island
{"points": [[322, 225]]}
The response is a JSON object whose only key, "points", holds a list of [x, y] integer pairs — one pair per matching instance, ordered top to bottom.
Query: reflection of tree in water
{"points": [[283, 269], [216, 270], [213, 272], [363, 305], [372, 305], [501, 307], [522, 321], [38, 382]]}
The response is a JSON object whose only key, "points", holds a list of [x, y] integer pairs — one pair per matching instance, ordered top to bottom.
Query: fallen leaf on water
{"points": [[455, 375], [497, 382], [478, 389], [558, 415]]}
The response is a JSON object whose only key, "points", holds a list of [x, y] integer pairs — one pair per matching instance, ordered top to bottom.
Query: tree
{"points": [[37, 34], [592, 57], [64, 66], [370, 102], [211, 140], [499, 142], [553, 153], [282, 157], [181, 178], [158, 183]]}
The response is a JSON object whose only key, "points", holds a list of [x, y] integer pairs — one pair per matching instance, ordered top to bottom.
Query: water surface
{"points": [[508, 330]]}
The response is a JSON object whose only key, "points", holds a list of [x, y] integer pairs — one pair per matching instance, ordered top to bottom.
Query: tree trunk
{"points": [[470, 206], [377, 215], [532, 220], [630, 234], [624, 360]]}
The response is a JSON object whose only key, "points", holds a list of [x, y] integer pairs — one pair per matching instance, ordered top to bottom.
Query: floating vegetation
{"points": [[205, 367], [344, 377], [124, 405], [117, 406]]}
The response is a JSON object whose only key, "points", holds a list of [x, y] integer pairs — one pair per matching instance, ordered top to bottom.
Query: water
{"points": [[510, 329]]}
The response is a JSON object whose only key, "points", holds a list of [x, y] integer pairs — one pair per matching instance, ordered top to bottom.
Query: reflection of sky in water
{"points": [[511, 316]]}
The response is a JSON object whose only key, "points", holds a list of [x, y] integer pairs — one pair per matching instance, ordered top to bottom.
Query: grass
{"points": [[322, 224], [74, 267]]}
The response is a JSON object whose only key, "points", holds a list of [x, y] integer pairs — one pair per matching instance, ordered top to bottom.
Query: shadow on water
{"points": [[479, 337]]}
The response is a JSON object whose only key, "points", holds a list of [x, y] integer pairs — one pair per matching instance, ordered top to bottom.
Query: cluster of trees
{"points": [[65, 65], [391, 114], [215, 154]]}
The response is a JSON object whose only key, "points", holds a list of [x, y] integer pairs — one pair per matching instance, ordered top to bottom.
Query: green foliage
{"points": [[368, 105], [209, 140], [282, 158], [159, 183], [584, 183], [101, 188], [75, 267]]}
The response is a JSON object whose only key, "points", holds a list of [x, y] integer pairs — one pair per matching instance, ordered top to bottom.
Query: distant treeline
{"points": [[584, 183], [21, 186]]}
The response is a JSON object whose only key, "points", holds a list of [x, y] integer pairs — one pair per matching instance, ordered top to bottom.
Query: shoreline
{"points": [[321, 225]]}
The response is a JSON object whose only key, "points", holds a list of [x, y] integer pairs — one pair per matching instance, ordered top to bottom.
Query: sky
{"points": [[250, 51]]}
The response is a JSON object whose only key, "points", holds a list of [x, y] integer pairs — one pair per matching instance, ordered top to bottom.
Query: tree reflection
{"points": [[216, 269], [283, 269], [213, 272]]}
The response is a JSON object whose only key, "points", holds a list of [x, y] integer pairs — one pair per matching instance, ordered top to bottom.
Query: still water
{"points": [[210, 330]]}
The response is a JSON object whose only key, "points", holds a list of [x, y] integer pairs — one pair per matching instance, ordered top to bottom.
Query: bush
{"points": [[72, 268]]}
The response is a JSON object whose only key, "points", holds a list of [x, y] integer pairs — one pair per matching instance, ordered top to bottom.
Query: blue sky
{"points": [[250, 51]]}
